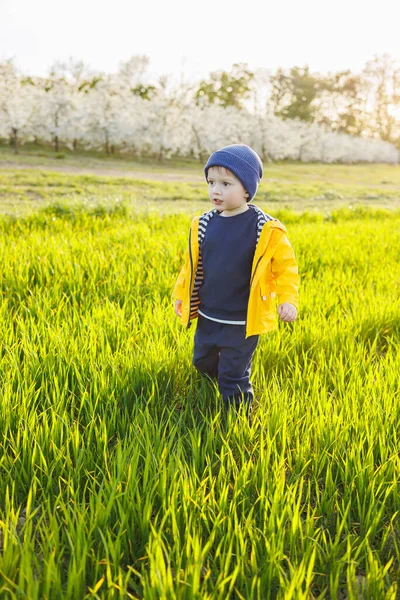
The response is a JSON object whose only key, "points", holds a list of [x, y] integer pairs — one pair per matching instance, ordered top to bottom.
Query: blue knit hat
{"points": [[242, 161]]}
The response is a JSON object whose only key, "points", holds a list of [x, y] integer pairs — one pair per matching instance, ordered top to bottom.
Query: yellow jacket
{"points": [[274, 274]]}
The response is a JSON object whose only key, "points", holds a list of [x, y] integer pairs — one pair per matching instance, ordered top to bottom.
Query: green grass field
{"points": [[37, 178], [121, 476]]}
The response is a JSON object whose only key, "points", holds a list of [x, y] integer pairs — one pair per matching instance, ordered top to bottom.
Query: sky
{"points": [[196, 38]]}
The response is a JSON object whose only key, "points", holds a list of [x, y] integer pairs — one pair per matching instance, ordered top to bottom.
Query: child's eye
{"points": [[210, 181], [226, 183]]}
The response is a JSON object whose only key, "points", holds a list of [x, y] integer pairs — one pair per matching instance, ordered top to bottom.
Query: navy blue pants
{"points": [[222, 352]]}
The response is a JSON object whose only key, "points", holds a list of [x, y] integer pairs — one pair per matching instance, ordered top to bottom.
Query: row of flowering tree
{"points": [[117, 114]]}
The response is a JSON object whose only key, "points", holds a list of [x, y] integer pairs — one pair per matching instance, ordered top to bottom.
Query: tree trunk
{"points": [[196, 135], [15, 139], [106, 143], [56, 144], [75, 144]]}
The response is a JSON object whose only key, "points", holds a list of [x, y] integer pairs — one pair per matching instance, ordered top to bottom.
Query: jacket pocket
{"points": [[267, 291], [267, 302]]}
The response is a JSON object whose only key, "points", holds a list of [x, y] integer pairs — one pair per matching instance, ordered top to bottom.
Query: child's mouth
{"points": [[218, 202]]}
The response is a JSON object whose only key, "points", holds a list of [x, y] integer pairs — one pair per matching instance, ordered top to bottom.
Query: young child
{"points": [[237, 262]]}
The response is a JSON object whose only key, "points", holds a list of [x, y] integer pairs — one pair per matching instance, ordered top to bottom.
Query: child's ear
{"points": [[246, 195]]}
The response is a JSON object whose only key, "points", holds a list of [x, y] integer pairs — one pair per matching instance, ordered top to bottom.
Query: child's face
{"points": [[225, 190]]}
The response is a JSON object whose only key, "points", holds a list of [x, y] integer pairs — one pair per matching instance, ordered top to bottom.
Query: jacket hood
{"points": [[270, 221]]}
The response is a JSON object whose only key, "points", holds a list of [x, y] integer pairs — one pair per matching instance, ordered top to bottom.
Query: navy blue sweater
{"points": [[227, 253]]}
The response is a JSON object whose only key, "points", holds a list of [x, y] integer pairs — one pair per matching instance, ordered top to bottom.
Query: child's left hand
{"points": [[287, 312]]}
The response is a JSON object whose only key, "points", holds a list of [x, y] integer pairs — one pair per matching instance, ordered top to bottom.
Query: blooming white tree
{"points": [[19, 101], [106, 106], [56, 111], [116, 112]]}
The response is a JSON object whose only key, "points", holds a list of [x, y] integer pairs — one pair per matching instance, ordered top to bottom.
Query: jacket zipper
{"points": [[191, 277]]}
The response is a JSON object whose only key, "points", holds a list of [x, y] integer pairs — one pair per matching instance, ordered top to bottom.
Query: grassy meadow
{"points": [[35, 179], [121, 475]]}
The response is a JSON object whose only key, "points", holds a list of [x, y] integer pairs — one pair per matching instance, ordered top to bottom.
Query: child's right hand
{"points": [[178, 308]]}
